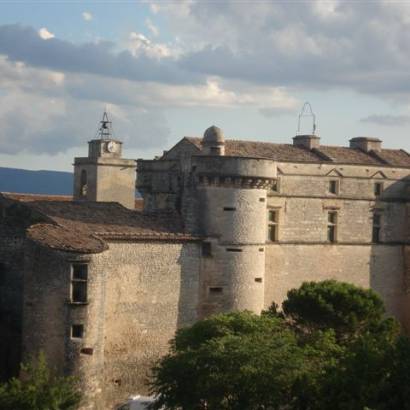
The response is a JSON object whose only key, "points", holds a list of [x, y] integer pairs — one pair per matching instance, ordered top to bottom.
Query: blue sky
{"points": [[166, 69]]}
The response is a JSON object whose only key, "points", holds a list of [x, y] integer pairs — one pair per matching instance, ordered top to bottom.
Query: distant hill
{"points": [[36, 182]]}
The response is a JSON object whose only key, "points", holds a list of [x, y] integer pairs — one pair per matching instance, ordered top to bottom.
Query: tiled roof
{"points": [[324, 154], [139, 203], [80, 226]]}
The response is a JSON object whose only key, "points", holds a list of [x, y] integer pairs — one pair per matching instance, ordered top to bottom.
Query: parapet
{"points": [[238, 171]]}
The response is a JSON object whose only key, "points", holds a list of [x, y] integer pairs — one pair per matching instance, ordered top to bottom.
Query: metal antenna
{"points": [[307, 112], [105, 129]]}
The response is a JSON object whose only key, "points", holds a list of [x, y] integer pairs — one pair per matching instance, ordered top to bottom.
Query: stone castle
{"points": [[100, 282]]}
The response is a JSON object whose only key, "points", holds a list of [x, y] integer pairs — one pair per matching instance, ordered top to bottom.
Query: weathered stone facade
{"points": [[227, 225]]}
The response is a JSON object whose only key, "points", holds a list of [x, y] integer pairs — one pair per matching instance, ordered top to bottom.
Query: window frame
{"points": [[336, 184], [378, 188], [273, 225], [331, 226], [377, 227], [79, 283], [80, 327]]}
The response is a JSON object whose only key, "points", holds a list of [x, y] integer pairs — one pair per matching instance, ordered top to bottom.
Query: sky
{"points": [[168, 69]]}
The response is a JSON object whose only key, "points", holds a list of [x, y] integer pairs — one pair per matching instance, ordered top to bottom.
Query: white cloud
{"points": [[87, 16], [152, 27], [45, 34], [139, 44]]}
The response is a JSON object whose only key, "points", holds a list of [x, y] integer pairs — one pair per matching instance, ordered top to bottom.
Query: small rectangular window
{"points": [[275, 186], [334, 187], [378, 188], [261, 199], [229, 208], [273, 216], [273, 219], [331, 226], [377, 227], [272, 233], [206, 249], [233, 249], [261, 249], [79, 277], [259, 280], [216, 290], [77, 331]]}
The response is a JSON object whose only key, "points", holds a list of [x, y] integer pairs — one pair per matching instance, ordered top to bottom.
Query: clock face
{"points": [[111, 146]]}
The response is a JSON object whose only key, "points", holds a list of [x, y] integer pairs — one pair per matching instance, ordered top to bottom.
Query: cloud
{"points": [[87, 16], [152, 27], [45, 34], [23, 44], [139, 44], [312, 45], [387, 120]]}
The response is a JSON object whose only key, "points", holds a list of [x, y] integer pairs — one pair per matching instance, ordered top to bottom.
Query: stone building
{"points": [[226, 225]]}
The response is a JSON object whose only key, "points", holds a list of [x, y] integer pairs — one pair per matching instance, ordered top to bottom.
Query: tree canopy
{"points": [[330, 349]]}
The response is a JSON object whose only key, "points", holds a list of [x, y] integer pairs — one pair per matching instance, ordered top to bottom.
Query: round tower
{"points": [[232, 210]]}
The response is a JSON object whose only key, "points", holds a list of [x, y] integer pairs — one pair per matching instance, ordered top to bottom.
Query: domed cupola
{"points": [[213, 142]]}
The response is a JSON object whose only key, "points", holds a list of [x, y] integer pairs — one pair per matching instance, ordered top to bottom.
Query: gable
{"points": [[183, 148], [334, 173], [379, 174]]}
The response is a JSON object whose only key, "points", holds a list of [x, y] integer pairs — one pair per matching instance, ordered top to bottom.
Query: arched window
{"points": [[83, 187]]}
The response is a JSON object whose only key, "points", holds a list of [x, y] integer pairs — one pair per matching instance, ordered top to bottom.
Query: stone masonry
{"points": [[102, 287]]}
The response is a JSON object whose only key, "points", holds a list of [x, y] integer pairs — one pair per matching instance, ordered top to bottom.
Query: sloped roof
{"points": [[323, 154], [139, 202], [80, 226]]}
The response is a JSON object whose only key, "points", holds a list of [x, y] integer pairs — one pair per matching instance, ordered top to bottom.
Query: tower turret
{"points": [[213, 142], [104, 175], [232, 213]]}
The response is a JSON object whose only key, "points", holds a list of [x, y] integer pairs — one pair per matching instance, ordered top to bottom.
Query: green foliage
{"points": [[346, 308], [330, 349], [39, 389]]}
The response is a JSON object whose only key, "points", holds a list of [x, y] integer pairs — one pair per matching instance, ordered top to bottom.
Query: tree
{"points": [[347, 309], [330, 349], [231, 361], [39, 389]]}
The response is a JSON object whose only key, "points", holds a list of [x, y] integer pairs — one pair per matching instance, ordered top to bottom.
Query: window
{"points": [[275, 186], [334, 186], [83, 187], [378, 188], [262, 200], [229, 208], [273, 219], [331, 226], [377, 226], [206, 249], [233, 249], [2, 274], [79, 276], [258, 280], [214, 290], [77, 331]]}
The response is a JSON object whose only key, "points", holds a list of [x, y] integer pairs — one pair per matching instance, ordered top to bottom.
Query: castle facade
{"points": [[226, 225]]}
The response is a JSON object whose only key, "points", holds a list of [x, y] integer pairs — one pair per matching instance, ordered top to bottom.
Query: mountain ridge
{"points": [[35, 182]]}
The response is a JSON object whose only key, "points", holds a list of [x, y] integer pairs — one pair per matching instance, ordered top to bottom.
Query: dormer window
{"points": [[334, 186], [378, 188]]}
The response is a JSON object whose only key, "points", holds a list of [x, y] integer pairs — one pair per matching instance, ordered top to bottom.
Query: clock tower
{"points": [[105, 176]]}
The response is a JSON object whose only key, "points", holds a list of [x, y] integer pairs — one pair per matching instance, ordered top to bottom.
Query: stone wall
{"points": [[379, 267], [150, 290], [138, 295]]}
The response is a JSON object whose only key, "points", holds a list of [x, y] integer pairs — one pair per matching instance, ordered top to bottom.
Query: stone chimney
{"points": [[306, 141], [366, 144]]}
